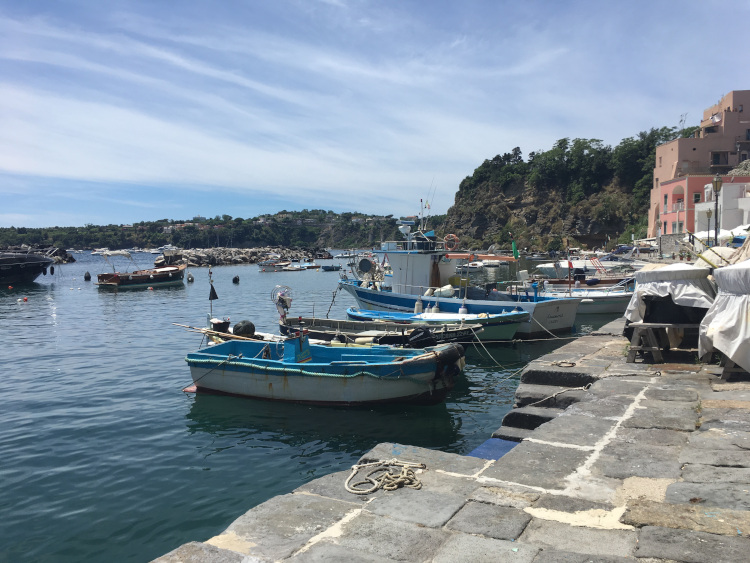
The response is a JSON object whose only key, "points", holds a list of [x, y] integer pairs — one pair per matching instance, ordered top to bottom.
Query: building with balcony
{"points": [[685, 166]]}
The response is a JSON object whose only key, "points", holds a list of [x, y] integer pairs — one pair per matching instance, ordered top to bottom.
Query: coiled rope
{"points": [[385, 475]]}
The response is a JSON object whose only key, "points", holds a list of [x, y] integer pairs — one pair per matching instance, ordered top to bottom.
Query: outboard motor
{"points": [[421, 337]]}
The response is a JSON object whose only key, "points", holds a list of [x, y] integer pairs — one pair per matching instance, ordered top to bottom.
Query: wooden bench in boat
{"points": [[652, 337]]}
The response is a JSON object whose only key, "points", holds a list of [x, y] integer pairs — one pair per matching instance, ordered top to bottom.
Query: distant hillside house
{"points": [[685, 167]]}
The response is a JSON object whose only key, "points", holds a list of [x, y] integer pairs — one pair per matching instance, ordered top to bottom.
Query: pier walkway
{"points": [[616, 462]]}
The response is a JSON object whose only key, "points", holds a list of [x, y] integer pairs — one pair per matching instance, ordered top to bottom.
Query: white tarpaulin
{"points": [[687, 285], [726, 326]]}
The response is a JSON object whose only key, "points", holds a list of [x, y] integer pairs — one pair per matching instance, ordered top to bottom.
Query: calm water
{"points": [[105, 458]]}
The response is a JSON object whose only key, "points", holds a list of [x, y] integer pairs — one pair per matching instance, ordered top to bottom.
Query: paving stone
{"points": [[545, 373], [613, 386], [669, 393], [555, 395], [608, 408], [663, 414], [530, 417], [729, 418], [578, 430], [511, 433], [652, 436], [720, 439], [720, 458], [433, 459], [621, 460], [538, 465], [696, 473], [439, 482], [332, 486], [734, 496], [516, 497], [569, 504], [421, 506], [641, 513], [491, 520], [281, 525], [393, 539], [588, 541], [466, 547], [691, 547], [197, 552], [328, 552], [555, 556]]}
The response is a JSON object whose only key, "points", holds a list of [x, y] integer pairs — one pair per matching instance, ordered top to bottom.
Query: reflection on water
{"points": [[238, 420]]}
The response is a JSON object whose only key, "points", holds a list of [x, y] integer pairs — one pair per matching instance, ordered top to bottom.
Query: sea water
{"points": [[103, 456]]}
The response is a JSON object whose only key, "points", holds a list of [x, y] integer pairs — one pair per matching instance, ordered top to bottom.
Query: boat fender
{"points": [[190, 278], [429, 292], [418, 307], [462, 310], [244, 328], [364, 340]]}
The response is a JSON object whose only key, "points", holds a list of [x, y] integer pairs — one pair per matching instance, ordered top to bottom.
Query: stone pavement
{"points": [[650, 463]]}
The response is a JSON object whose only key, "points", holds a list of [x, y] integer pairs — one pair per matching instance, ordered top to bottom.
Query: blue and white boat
{"points": [[423, 276], [501, 326], [296, 371]]}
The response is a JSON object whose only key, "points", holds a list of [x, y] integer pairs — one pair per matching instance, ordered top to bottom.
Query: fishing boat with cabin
{"points": [[423, 278]]}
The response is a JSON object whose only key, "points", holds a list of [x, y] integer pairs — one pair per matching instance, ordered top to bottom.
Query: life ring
{"points": [[451, 242]]}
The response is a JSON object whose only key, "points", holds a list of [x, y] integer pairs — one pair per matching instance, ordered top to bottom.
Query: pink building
{"points": [[685, 166]]}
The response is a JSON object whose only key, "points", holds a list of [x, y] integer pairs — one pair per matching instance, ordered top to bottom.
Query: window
{"points": [[743, 157], [697, 198], [665, 228]]}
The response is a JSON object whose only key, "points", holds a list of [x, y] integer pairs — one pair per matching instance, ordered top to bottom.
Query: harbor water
{"points": [[104, 457]]}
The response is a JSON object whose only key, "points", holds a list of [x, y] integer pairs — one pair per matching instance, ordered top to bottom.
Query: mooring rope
{"points": [[583, 388], [382, 477]]}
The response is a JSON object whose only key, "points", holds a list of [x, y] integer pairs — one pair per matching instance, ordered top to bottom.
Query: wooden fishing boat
{"points": [[153, 277], [496, 326], [378, 332], [296, 371]]}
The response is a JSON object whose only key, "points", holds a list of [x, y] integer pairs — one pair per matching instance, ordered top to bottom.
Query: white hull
{"points": [[596, 302], [555, 315], [297, 388]]}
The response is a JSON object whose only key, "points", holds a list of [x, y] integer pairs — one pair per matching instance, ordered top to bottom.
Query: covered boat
{"points": [[138, 279], [674, 294], [498, 326], [726, 326], [296, 371]]}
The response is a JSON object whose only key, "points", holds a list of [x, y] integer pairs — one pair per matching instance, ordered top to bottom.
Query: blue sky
{"points": [[125, 111]]}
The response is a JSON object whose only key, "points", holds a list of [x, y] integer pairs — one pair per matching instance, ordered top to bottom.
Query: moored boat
{"points": [[17, 267], [422, 270], [138, 279], [499, 326], [352, 331], [296, 371]]}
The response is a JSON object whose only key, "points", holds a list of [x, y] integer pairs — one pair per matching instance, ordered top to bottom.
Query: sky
{"points": [[124, 111]]}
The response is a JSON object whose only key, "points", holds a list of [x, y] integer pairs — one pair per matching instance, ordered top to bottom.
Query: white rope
{"points": [[382, 477]]}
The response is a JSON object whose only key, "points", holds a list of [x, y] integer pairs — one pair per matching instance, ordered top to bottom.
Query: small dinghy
{"points": [[296, 371]]}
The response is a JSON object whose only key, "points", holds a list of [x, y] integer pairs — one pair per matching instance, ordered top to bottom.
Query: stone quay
{"points": [[601, 460]]}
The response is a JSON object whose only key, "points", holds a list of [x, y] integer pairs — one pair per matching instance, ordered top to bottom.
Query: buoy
{"points": [[87, 277], [190, 277], [236, 279], [10, 287], [150, 288], [25, 299]]}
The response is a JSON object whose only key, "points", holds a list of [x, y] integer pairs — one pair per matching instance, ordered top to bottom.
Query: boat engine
{"points": [[421, 337]]}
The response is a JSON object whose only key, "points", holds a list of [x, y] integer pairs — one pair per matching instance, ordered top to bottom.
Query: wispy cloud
{"points": [[336, 104]]}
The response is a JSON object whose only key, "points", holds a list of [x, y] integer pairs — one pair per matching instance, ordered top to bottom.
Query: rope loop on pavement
{"points": [[389, 475]]}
